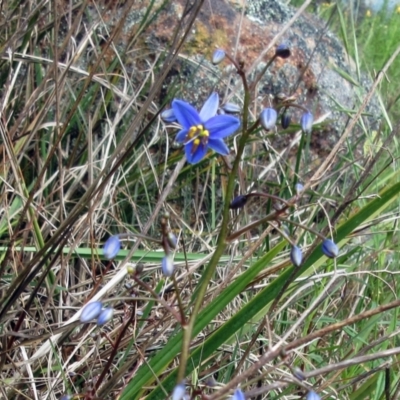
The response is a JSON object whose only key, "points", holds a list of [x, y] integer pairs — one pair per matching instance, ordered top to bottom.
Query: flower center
{"points": [[198, 135]]}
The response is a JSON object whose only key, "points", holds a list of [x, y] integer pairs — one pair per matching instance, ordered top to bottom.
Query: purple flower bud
{"points": [[282, 51], [218, 56], [232, 108], [168, 115], [268, 118], [285, 121], [306, 122], [298, 187], [238, 202], [172, 240], [111, 247], [329, 248], [296, 256], [167, 266], [91, 311], [105, 316], [298, 373], [179, 391], [238, 395], [312, 396], [65, 397]]}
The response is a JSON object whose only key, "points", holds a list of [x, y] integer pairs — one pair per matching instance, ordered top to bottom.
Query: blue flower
{"points": [[203, 130], [329, 248], [179, 391]]}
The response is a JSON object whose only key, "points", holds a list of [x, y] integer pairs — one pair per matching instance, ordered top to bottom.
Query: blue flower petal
{"points": [[210, 107], [186, 114], [222, 126], [181, 135], [219, 146], [198, 155]]}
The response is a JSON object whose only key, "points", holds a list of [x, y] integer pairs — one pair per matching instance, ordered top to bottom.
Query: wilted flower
{"points": [[282, 51], [218, 56], [231, 108], [168, 115], [268, 118], [285, 121], [306, 122], [203, 130], [298, 187], [238, 202], [111, 247], [329, 248], [296, 256], [167, 266], [91, 311], [105, 316], [179, 391], [238, 395], [312, 396]]}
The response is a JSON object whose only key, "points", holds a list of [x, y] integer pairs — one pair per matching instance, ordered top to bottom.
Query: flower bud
{"points": [[282, 51], [218, 56], [231, 108], [168, 115], [268, 118], [285, 121], [306, 122], [238, 202], [172, 240], [111, 247], [329, 248], [296, 256], [167, 266], [91, 311], [105, 316], [298, 373], [179, 391], [238, 395], [312, 396], [65, 397]]}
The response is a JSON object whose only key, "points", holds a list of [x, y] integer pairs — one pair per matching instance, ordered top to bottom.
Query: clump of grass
{"points": [[86, 157]]}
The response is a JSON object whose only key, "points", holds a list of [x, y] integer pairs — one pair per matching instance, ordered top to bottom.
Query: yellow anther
{"points": [[200, 127], [192, 132], [205, 133], [196, 142]]}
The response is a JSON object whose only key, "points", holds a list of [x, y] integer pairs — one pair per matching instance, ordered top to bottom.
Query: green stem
{"points": [[201, 289]]}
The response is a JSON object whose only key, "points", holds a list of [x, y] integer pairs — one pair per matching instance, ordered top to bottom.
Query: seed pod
{"points": [[268, 118], [111, 247], [329, 248], [91, 311]]}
